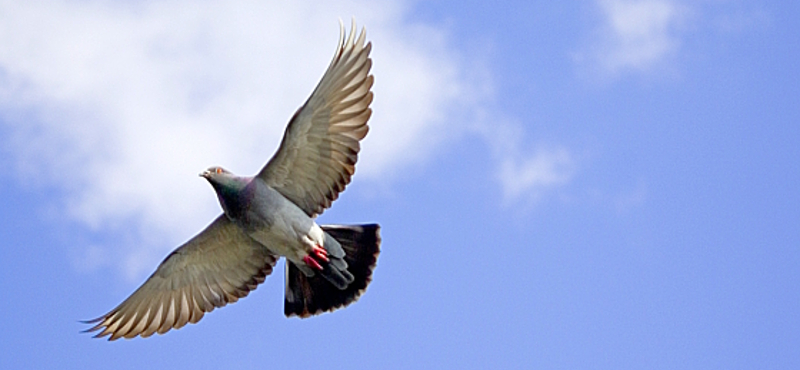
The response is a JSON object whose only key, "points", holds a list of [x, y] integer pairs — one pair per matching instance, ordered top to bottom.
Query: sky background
{"points": [[607, 184]]}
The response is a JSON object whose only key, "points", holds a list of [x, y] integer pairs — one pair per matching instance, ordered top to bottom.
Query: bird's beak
{"points": [[205, 174]]}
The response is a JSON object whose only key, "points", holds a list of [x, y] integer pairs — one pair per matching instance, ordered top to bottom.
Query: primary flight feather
{"points": [[272, 215]]}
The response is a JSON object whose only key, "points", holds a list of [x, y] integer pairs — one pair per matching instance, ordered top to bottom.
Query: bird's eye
{"points": [[219, 170]]}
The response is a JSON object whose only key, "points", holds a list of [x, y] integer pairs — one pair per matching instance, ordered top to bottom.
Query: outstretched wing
{"points": [[320, 147], [218, 266]]}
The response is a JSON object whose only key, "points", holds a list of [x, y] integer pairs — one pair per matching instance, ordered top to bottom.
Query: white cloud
{"points": [[636, 35], [120, 105], [526, 171], [527, 177]]}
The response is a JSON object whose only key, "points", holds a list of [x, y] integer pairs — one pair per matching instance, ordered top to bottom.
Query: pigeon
{"points": [[272, 214]]}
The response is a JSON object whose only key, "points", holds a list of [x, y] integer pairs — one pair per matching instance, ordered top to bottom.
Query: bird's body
{"points": [[272, 215], [268, 217], [279, 225]]}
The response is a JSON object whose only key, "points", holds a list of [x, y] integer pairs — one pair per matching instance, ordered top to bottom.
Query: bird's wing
{"points": [[320, 146], [218, 266]]}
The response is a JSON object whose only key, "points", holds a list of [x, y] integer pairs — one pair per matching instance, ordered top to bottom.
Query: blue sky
{"points": [[607, 184]]}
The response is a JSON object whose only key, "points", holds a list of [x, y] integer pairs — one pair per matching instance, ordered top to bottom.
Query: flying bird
{"points": [[272, 214]]}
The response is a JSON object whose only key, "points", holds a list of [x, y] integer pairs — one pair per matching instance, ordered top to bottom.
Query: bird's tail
{"points": [[312, 295]]}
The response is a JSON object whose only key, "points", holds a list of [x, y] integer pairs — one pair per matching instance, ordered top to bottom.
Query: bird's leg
{"points": [[316, 253]]}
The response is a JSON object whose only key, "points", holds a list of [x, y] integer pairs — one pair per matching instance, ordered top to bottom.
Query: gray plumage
{"points": [[272, 215]]}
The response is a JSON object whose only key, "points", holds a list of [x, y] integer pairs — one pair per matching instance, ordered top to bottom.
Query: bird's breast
{"points": [[275, 222]]}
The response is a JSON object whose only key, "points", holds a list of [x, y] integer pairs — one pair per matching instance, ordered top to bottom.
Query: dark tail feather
{"points": [[307, 296]]}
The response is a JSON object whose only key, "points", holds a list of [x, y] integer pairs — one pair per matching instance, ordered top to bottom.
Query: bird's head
{"points": [[216, 174], [224, 181]]}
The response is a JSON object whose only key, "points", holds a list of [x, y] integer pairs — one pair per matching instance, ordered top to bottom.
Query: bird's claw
{"points": [[320, 253], [311, 262]]}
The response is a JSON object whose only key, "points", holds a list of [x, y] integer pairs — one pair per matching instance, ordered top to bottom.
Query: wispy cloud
{"points": [[635, 35], [120, 105], [526, 170], [530, 175], [527, 177]]}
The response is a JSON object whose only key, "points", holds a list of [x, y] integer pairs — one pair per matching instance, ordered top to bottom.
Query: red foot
{"points": [[318, 252], [311, 262]]}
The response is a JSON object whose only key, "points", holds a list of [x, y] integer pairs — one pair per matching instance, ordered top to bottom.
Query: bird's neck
{"points": [[233, 195]]}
